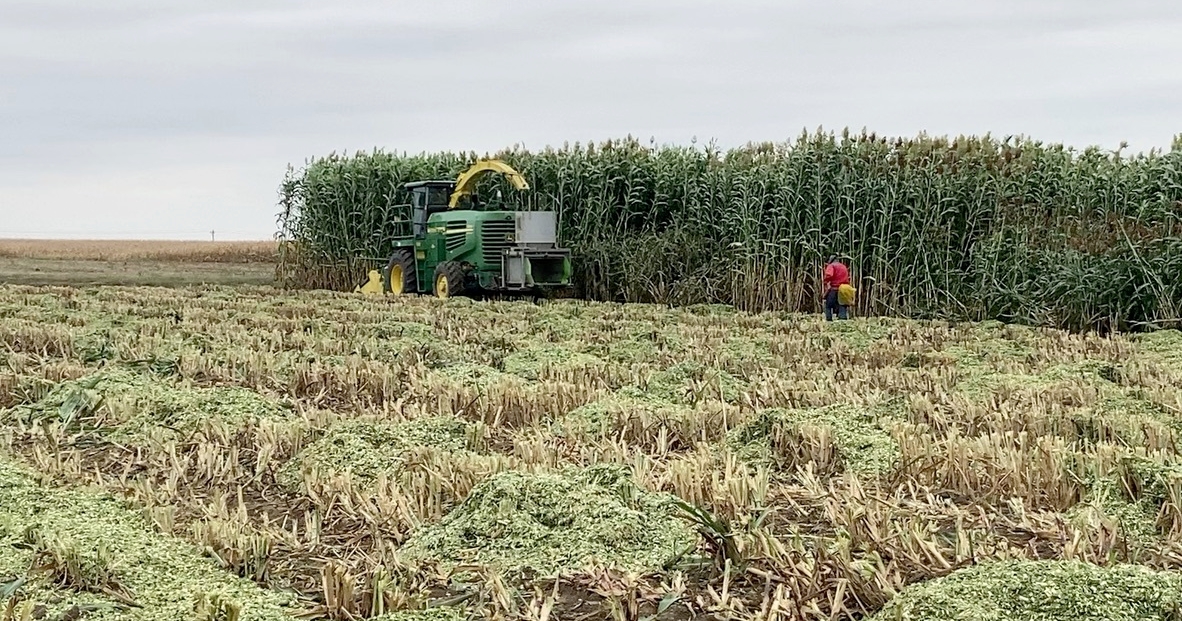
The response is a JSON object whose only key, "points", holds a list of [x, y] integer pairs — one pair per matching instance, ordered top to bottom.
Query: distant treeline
{"points": [[966, 228]]}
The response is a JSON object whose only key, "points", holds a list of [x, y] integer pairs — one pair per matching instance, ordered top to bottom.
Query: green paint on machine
{"points": [[450, 251]]}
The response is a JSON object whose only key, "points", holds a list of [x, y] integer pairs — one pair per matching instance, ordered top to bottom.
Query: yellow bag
{"points": [[845, 295]]}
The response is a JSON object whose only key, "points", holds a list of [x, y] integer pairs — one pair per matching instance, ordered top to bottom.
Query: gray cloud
{"points": [[169, 119]]}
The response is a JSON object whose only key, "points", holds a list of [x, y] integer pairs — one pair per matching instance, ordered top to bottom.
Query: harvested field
{"points": [[140, 250], [80, 263], [279, 454]]}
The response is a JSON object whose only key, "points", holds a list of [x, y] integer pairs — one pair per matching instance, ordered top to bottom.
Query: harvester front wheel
{"points": [[400, 273], [449, 279]]}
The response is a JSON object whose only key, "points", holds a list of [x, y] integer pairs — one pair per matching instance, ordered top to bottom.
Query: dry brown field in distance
{"points": [[136, 262]]}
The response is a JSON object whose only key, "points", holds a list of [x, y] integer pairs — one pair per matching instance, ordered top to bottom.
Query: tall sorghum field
{"points": [[971, 227]]}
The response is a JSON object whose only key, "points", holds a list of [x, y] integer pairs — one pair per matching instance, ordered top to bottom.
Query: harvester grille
{"points": [[456, 235], [495, 237]]}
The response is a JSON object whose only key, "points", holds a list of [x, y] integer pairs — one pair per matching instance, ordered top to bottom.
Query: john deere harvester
{"points": [[449, 251]]}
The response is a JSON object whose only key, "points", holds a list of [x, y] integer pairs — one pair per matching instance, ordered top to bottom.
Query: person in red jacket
{"points": [[836, 274]]}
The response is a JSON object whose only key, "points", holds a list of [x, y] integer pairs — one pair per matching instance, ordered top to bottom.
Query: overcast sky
{"points": [[169, 118]]}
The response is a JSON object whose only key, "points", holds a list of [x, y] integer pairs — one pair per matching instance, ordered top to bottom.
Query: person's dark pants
{"points": [[831, 307]]}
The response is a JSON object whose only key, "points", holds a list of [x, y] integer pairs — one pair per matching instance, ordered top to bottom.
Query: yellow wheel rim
{"points": [[396, 280], [441, 286]]}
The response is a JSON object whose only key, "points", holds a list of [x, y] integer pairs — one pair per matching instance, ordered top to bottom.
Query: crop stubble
{"points": [[323, 444]]}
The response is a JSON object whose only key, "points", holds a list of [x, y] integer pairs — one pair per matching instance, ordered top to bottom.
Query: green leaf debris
{"points": [[125, 403], [862, 442], [368, 448], [552, 522], [78, 548], [1041, 591]]}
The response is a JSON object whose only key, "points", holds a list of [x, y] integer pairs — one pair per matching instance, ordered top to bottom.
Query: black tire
{"points": [[404, 258], [453, 272]]}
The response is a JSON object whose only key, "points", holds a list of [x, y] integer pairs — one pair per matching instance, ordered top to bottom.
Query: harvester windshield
{"points": [[438, 196], [427, 197]]}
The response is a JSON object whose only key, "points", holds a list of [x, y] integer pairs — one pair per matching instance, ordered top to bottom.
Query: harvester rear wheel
{"points": [[400, 273], [449, 279]]}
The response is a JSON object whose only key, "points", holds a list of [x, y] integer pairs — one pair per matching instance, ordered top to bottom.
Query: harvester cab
{"points": [[449, 250]]}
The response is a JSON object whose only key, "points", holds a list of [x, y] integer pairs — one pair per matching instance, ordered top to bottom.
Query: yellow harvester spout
{"points": [[467, 180]]}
